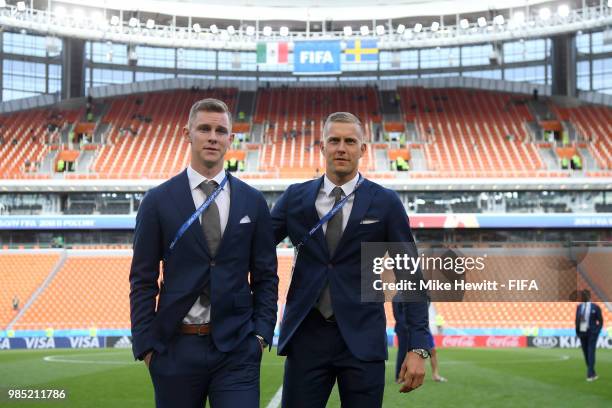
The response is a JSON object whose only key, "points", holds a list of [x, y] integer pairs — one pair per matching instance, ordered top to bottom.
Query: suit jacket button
{"points": [[212, 263], [330, 265]]}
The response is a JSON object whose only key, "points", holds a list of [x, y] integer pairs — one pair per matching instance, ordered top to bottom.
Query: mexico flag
{"points": [[272, 53]]}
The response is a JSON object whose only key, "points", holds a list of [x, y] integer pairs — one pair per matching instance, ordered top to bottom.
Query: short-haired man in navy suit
{"points": [[589, 322], [327, 333], [205, 337]]}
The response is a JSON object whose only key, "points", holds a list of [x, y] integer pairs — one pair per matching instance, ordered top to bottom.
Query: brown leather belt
{"points": [[199, 329]]}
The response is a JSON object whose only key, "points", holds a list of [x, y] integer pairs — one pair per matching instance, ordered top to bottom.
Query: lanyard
{"points": [[197, 213], [330, 214], [326, 217]]}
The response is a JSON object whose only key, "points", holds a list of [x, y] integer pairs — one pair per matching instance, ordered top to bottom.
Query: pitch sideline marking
{"points": [[276, 400]]}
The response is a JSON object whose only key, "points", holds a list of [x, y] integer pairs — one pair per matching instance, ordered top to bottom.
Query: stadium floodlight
{"points": [[21, 6], [563, 10], [60, 12], [544, 13], [518, 18], [499, 19], [114, 20], [134, 22], [482, 22], [464, 23], [150, 24], [435, 26], [418, 27], [197, 28], [214, 29], [380, 29], [400, 29], [231, 30], [347, 30], [364, 30], [250, 31], [267, 31], [284, 31]]}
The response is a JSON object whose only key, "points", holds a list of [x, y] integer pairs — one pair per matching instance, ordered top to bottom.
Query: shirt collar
{"points": [[195, 178], [347, 187]]}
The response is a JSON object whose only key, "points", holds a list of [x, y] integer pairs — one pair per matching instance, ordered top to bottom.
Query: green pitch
{"points": [[477, 377]]}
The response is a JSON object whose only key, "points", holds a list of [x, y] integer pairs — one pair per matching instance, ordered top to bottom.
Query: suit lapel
{"points": [[361, 203], [186, 207], [311, 216]]}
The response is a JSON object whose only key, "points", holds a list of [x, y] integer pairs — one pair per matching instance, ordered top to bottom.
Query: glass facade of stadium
{"points": [[32, 64]]}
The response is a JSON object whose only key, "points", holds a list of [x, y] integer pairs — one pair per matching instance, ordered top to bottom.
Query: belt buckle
{"points": [[200, 327]]}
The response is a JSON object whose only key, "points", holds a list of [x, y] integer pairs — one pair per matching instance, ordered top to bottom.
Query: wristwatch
{"points": [[262, 341], [421, 352]]}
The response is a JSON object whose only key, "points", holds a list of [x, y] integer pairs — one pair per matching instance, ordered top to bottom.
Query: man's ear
{"points": [[186, 134], [231, 137]]}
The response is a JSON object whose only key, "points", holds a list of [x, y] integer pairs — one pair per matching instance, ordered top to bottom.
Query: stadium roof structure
{"points": [[304, 10], [240, 25]]}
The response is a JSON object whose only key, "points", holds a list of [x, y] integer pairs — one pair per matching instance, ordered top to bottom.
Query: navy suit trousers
{"points": [[588, 341], [317, 357], [192, 369]]}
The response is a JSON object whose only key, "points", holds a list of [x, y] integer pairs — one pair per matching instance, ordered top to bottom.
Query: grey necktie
{"points": [[211, 221], [211, 225], [332, 236]]}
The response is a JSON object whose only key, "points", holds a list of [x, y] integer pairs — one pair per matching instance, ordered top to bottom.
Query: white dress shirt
{"points": [[325, 201], [199, 314], [585, 315]]}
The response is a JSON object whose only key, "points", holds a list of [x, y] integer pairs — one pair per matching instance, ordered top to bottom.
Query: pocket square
{"points": [[245, 220], [369, 221]]}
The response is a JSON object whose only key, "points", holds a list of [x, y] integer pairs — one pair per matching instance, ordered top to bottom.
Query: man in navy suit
{"points": [[589, 322], [327, 332], [204, 336]]}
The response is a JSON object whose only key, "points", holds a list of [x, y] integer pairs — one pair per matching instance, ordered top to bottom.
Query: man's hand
{"points": [[147, 358], [412, 372]]}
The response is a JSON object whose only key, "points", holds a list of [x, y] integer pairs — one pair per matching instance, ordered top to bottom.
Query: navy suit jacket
{"points": [[238, 307], [595, 319], [362, 324]]}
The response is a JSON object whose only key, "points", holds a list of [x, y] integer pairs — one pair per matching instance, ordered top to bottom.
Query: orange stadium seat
{"points": [[295, 117], [594, 123], [472, 132], [25, 135], [158, 150], [22, 274], [88, 291], [92, 291]]}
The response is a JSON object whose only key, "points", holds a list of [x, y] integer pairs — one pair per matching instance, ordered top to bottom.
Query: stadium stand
{"points": [[293, 120], [595, 124], [472, 131], [462, 132], [28, 136], [154, 148], [22, 274], [91, 290], [88, 291]]}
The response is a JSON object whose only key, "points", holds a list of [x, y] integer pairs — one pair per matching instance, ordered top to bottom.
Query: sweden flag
{"points": [[361, 50]]}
